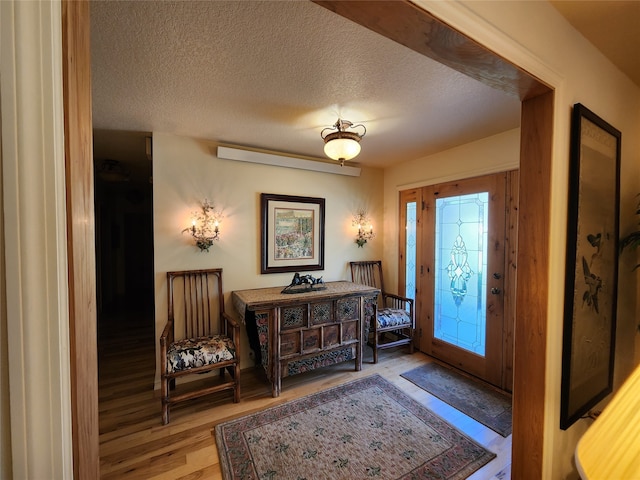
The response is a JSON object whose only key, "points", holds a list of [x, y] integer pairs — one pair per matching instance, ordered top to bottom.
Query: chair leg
{"points": [[411, 333], [376, 340], [236, 380], [165, 400], [165, 412]]}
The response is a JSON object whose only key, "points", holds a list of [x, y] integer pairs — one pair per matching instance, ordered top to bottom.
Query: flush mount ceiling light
{"points": [[340, 144], [113, 171]]}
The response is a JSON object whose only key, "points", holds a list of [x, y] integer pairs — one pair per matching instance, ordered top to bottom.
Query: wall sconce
{"points": [[340, 144], [205, 226], [365, 229]]}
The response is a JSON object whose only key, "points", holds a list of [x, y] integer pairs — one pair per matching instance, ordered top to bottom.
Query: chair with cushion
{"points": [[394, 322], [199, 337]]}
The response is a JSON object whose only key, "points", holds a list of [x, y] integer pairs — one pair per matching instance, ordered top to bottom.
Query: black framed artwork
{"points": [[292, 233], [591, 266]]}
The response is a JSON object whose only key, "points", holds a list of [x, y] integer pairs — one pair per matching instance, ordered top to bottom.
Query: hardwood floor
{"points": [[134, 444]]}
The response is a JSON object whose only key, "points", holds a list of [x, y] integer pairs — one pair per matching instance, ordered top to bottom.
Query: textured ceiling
{"points": [[272, 74]]}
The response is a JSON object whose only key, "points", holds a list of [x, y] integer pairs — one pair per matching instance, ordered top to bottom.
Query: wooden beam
{"points": [[415, 28], [76, 71], [532, 267]]}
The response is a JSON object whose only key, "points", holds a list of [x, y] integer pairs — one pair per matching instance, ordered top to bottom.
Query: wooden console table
{"points": [[299, 332]]}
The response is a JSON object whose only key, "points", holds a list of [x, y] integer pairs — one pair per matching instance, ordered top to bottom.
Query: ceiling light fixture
{"points": [[340, 144], [113, 171]]}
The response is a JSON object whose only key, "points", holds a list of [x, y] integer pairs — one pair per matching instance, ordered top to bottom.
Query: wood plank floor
{"points": [[134, 444]]}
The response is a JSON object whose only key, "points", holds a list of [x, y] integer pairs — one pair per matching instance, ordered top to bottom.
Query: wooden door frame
{"points": [[408, 24], [78, 143]]}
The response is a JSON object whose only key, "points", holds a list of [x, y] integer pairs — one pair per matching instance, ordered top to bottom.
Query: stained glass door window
{"points": [[461, 232], [410, 249]]}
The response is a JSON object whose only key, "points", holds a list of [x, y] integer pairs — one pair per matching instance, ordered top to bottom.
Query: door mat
{"points": [[481, 402]]}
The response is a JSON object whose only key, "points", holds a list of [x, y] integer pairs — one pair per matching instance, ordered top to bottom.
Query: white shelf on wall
{"points": [[229, 153]]}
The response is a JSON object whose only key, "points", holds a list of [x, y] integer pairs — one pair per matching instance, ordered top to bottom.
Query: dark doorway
{"points": [[124, 234]]}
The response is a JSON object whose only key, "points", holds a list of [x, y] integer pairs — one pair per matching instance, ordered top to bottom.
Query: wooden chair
{"points": [[393, 322], [199, 337]]}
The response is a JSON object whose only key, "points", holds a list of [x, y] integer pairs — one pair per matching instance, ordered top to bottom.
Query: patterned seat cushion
{"points": [[389, 317], [197, 352]]}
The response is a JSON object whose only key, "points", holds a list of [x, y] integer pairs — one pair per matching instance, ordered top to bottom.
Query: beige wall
{"points": [[535, 37], [498, 153], [186, 170]]}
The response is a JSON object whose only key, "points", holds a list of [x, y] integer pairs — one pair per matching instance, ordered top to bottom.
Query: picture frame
{"points": [[292, 233], [591, 265]]}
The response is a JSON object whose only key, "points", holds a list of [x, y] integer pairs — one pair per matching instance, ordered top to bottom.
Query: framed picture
{"points": [[292, 233], [592, 265]]}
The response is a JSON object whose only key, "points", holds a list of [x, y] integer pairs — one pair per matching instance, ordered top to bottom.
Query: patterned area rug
{"points": [[473, 398], [367, 428]]}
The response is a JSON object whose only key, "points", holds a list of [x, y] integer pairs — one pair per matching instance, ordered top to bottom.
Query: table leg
{"points": [[360, 335], [277, 367], [276, 387]]}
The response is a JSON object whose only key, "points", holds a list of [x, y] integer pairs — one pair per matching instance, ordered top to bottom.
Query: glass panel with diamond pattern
{"points": [[462, 224]]}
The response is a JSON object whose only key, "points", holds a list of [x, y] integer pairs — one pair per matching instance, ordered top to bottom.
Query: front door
{"points": [[460, 253]]}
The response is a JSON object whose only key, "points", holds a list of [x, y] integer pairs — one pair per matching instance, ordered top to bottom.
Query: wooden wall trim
{"points": [[76, 65], [530, 335]]}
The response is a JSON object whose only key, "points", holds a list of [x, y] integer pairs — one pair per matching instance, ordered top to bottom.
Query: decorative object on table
{"points": [[340, 143], [205, 226], [365, 228], [292, 233], [592, 265], [303, 284], [394, 321], [199, 337], [483, 403], [361, 429]]}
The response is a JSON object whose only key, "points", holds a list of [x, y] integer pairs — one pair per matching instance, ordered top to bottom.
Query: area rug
{"points": [[473, 398], [362, 429]]}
